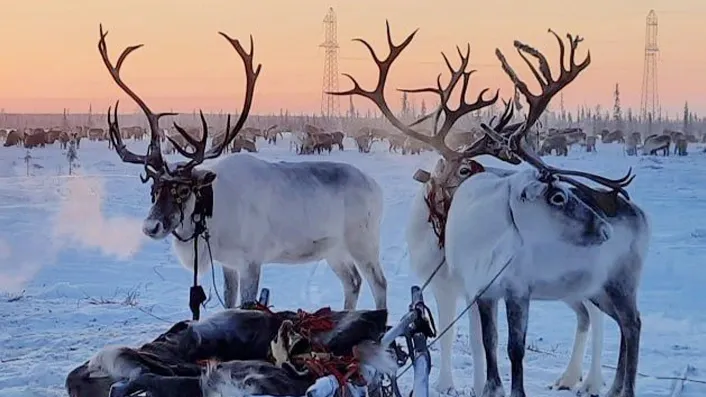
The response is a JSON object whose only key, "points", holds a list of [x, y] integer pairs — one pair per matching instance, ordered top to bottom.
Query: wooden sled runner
{"points": [[257, 352]]}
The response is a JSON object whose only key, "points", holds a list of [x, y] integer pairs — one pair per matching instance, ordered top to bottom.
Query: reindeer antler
{"points": [[538, 104], [451, 116], [200, 154], [153, 158], [153, 161]]}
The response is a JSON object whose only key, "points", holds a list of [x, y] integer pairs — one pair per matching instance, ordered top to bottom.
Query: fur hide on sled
{"points": [[234, 352]]}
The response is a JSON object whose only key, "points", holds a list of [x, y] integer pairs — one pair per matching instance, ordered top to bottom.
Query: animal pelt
{"points": [[227, 350]]}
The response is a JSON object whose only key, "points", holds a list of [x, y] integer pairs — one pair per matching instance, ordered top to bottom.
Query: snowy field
{"points": [[76, 273]]}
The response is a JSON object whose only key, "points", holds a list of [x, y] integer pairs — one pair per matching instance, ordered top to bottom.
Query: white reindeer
{"points": [[261, 212], [426, 225], [547, 236]]}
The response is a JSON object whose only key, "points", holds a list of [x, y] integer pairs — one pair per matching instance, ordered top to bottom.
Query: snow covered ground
{"points": [[76, 273]]}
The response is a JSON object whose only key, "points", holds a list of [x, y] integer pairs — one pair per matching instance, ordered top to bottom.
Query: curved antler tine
{"points": [[562, 49], [251, 75], [204, 136], [117, 140], [191, 140], [179, 148], [154, 155], [627, 178], [572, 181], [615, 184]]}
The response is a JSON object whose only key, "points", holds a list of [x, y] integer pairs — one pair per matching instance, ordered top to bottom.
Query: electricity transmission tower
{"points": [[649, 103], [330, 105]]}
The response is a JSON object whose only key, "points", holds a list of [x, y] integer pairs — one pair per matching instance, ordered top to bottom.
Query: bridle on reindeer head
{"points": [[180, 181]]}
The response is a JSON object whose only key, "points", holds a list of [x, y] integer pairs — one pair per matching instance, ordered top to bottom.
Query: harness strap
{"points": [[197, 296]]}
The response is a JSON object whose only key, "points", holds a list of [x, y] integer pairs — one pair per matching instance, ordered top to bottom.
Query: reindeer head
{"points": [[455, 166], [176, 189], [544, 207]]}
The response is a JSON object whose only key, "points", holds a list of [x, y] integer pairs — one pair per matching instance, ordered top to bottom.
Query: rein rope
{"points": [[203, 209]]}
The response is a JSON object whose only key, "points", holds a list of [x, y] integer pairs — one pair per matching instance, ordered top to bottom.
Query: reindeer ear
{"points": [[203, 177]]}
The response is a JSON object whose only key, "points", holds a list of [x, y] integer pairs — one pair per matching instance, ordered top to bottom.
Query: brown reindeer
{"points": [[273, 131], [135, 132], [251, 133], [96, 134], [53, 135], [573, 135], [612, 136], [676, 136], [76, 137], [338, 137], [365, 137], [14, 138], [38, 138], [64, 139], [316, 140], [323, 141], [396, 142], [557, 143], [655, 143], [240, 144], [631, 144], [413, 146], [680, 146]]}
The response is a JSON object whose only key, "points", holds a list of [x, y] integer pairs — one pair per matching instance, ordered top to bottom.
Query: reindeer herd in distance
{"points": [[311, 134]]}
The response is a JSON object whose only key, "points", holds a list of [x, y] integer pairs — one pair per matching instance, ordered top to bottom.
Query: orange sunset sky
{"points": [[50, 61]]}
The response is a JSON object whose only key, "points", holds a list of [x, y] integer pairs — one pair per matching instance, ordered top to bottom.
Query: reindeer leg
{"points": [[365, 251], [350, 279], [249, 282], [230, 287], [446, 300], [620, 302], [517, 308], [488, 310], [475, 331], [572, 374], [593, 382]]}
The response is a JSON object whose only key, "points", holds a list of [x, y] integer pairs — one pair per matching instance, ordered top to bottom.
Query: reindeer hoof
{"points": [[566, 382], [590, 387]]}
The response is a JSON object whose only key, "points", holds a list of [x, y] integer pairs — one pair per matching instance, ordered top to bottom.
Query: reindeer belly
{"points": [[303, 251], [573, 285]]}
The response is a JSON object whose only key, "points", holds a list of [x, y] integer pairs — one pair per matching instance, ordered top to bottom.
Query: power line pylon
{"points": [[649, 103], [330, 105]]}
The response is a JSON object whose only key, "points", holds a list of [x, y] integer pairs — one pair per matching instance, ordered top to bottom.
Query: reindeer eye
{"points": [[464, 171], [558, 198]]}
